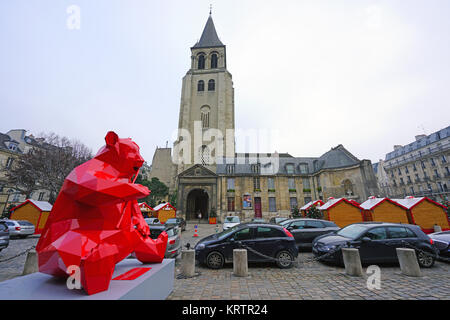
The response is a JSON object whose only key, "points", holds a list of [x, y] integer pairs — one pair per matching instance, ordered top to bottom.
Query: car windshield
{"points": [[232, 219], [171, 221], [285, 222], [25, 223], [352, 231], [225, 233]]}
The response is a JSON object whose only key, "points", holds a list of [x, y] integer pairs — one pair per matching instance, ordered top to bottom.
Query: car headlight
{"points": [[200, 246], [328, 248]]}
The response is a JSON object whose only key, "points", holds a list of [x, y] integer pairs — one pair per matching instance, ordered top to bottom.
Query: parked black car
{"points": [[277, 220], [176, 222], [306, 230], [4, 235], [267, 239], [442, 242], [377, 243]]}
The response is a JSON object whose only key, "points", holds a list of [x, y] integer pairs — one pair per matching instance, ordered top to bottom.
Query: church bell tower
{"points": [[206, 120]]}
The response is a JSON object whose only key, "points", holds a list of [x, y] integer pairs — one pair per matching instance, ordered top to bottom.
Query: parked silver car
{"points": [[230, 222], [20, 228], [4, 235], [173, 242], [173, 248]]}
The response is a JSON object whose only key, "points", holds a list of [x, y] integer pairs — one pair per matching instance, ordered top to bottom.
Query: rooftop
{"points": [[209, 36]]}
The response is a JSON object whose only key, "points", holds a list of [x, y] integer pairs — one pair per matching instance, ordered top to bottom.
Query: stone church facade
{"points": [[209, 175]]}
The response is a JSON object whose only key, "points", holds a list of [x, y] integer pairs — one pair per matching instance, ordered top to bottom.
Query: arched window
{"points": [[214, 60], [201, 61], [201, 85], [211, 85], [204, 114], [205, 155], [348, 187]]}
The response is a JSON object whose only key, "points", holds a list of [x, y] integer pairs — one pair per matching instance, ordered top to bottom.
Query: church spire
{"points": [[209, 36]]}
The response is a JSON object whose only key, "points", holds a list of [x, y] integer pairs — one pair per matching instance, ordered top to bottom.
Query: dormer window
{"points": [[12, 146], [303, 167], [290, 168]]}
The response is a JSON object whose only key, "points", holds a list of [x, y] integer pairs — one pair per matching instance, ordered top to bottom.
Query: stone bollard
{"points": [[437, 228], [352, 262], [408, 262], [31, 263], [188, 263], [240, 263]]}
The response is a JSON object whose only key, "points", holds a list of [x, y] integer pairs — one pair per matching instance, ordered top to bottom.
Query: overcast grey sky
{"points": [[365, 74]]}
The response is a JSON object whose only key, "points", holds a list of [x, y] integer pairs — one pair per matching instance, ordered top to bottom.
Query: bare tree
{"points": [[47, 164]]}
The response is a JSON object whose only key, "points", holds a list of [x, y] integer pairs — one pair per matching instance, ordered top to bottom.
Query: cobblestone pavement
{"points": [[13, 268], [313, 280]]}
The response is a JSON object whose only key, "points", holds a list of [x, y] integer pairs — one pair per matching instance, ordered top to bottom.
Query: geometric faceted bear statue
{"points": [[96, 221]]}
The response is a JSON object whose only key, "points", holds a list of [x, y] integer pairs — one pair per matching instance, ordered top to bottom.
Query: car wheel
{"points": [[284, 259], [425, 259], [215, 260]]}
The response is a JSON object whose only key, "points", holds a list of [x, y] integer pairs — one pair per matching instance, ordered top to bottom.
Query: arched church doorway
{"points": [[197, 201]]}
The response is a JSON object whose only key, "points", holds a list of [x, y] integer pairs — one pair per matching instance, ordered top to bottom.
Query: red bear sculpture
{"points": [[96, 221]]}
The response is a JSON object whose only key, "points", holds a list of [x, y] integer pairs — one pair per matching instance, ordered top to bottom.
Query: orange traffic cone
{"points": [[195, 231]]}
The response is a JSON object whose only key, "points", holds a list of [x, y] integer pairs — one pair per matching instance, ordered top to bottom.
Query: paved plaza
{"points": [[307, 280]]}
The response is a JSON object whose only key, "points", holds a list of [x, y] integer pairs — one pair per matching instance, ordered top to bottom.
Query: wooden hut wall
{"points": [[27, 212], [389, 212], [344, 214], [426, 214]]}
